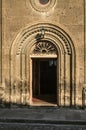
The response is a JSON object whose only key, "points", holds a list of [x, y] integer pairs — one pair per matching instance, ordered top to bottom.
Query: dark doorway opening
{"points": [[47, 77], [44, 88]]}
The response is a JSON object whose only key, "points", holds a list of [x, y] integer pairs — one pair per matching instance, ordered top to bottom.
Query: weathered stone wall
{"points": [[67, 14], [0, 38]]}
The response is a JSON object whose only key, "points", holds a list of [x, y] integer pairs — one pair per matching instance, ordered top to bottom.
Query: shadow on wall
{"points": [[16, 95], [83, 98]]}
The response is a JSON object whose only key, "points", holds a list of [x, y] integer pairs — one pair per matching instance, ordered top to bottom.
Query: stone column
{"points": [[0, 41], [84, 41], [23, 67], [17, 68], [15, 78], [62, 80], [67, 80], [30, 92]]}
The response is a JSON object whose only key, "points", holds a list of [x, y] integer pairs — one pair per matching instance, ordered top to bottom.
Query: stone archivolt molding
{"points": [[38, 6], [56, 32], [22, 49]]}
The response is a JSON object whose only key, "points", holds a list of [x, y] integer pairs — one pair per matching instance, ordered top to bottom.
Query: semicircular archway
{"points": [[21, 54]]}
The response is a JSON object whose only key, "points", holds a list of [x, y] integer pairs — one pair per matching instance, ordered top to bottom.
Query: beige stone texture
{"points": [[18, 16]]}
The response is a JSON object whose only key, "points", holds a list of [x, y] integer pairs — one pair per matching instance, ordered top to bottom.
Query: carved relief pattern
{"points": [[39, 6], [52, 30], [55, 39], [44, 47]]}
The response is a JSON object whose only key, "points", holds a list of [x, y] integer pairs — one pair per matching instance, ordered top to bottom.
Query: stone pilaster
{"points": [[85, 40], [0, 41]]}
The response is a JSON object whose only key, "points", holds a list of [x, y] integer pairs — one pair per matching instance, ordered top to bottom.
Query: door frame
{"points": [[31, 75]]}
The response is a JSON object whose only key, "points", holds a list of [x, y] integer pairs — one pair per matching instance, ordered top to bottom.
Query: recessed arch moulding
{"points": [[21, 53]]}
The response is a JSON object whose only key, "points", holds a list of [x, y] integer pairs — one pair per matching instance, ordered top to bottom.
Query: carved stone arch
{"points": [[49, 29], [20, 58]]}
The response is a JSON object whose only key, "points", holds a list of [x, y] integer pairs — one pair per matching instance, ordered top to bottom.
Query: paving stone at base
{"points": [[42, 119], [20, 126]]}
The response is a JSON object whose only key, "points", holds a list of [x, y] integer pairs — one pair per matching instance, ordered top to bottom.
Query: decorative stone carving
{"points": [[42, 5], [58, 32], [55, 40], [44, 47]]}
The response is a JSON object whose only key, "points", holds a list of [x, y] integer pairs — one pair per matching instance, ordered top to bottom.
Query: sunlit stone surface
{"points": [[56, 30]]}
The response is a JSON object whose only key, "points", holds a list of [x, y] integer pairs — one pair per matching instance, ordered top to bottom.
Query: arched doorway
{"points": [[31, 46], [44, 74], [44, 77]]}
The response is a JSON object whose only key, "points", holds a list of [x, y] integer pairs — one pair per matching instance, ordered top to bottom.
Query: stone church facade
{"points": [[43, 52]]}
